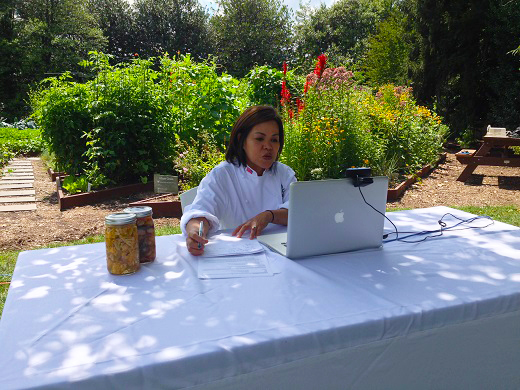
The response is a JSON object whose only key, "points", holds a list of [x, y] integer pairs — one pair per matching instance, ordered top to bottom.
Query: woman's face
{"points": [[262, 145]]}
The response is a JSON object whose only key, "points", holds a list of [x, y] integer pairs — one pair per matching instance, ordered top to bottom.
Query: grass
{"points": [[508, 214], [7, 263]]}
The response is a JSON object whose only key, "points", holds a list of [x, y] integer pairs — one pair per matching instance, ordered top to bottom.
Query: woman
{"points": [[247, 191]]}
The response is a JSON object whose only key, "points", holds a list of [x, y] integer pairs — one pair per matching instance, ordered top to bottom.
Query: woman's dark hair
{"points": [[251, 117]]}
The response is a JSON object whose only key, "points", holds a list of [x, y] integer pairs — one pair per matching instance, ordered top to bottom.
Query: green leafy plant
{"points": [[265, 84], [200, 99], [123, 124], [339, 124], [466, 138], [14, 141], [196, 159], [74, 185]]}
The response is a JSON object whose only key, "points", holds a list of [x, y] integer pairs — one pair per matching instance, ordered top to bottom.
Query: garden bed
{"points": [[53, 175], [395, 193], [69, 201], [163, 206], [169, 206]]}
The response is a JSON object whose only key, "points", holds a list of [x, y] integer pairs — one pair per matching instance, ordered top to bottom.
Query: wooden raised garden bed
{"points": [[53, 175], [395, 193], [69, 201], [162, 208], [172, 208]]}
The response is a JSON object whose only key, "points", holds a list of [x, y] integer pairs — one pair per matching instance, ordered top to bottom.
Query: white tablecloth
{"points": [[444, 313]]}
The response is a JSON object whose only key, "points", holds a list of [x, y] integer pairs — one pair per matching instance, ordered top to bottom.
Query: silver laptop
{"points": [[330, 216]]}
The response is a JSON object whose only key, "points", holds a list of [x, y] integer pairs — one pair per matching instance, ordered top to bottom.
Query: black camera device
{"points": [[361, 177]]}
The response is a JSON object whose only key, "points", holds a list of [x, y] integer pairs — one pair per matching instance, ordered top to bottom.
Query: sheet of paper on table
{"points": [[225, 245], [226, 256], [240, 266]]}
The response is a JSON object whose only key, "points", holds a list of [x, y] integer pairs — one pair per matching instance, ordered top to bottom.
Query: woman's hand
{"points": [[255, 224], [194, 242]]}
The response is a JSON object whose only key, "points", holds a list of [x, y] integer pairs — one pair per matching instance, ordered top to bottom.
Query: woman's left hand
{"points": [[255, 224]]}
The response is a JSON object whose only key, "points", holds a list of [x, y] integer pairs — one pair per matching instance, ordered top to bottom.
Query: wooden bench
{"points": [[494, 151]]}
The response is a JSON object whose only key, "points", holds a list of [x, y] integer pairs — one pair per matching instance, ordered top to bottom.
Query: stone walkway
{"points": [[17, 186]]}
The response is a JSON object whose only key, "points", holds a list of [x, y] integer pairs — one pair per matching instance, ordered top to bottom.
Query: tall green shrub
{"points": [[265, 84], [200, 99], [62, 110], [123, 124], [339, 124], [116, 126], [132, 133]]}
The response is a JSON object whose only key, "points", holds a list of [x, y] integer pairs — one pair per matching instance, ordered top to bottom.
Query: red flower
{"points": [[136, 55], [320, 65], [284, 68], [286, 95], [299, 104], [291, 113]]}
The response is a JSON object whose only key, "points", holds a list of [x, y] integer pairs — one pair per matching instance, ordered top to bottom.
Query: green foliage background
{"points": [[457, 55], [122, 125], [15, 142]]}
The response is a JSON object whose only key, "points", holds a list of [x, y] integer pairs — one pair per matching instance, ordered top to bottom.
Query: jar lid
{"points": [[139, 211], [120, 219]]}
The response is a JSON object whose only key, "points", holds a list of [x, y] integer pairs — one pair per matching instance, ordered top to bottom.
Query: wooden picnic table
{"points": [[493, 151]]}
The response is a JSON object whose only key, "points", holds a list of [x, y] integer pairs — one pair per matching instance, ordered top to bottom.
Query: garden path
{"points": [[17, 186]]}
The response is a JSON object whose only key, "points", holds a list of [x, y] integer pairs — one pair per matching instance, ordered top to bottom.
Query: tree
{"points": [[116, 20], [171, 26], [340, 30], [249, 33], [57, 34], [41, 37], [388, 56], [9, 61], [466, 69], [503, 87]]}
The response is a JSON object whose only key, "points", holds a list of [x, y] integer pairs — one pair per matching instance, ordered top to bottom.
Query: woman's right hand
{"points": [[194, 242]]}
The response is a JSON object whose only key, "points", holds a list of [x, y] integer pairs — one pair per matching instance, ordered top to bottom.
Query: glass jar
{"points": [[145, 232], [122, 243]]}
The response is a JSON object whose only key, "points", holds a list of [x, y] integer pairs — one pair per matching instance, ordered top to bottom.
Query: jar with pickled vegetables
{"points": [[145, 232], [122, 243]]}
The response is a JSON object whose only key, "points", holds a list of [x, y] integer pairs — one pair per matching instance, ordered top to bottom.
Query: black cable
{"points": [[395, 227], [444, 227], [433, 233]]}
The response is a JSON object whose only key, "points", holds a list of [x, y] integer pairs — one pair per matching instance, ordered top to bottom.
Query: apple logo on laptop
{"points": [[339, 217]]}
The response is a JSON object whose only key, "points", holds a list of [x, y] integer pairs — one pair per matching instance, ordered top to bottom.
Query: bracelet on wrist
{"points": [[272, 215]]}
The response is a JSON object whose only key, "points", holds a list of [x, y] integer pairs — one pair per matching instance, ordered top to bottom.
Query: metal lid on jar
{"points": [[139, 211], [120, 219]]}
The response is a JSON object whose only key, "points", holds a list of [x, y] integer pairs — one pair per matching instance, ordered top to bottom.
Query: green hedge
{"points": [[124, 124], [14, 142]]}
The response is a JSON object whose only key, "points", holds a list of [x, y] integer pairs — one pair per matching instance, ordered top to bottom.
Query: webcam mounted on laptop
{"points": [[361, 177]]}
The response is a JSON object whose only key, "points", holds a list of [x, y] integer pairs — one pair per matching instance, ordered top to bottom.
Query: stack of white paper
{"points": [[226, 256]]}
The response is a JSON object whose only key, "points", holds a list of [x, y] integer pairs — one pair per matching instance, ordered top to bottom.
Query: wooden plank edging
{"points": [[394, 193], [69, 201]]}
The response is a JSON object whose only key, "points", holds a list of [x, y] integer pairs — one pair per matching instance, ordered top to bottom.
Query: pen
{"points": [[200, 231]]}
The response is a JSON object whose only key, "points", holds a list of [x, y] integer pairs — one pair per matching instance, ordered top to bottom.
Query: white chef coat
{"points": [[230, 195]]}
